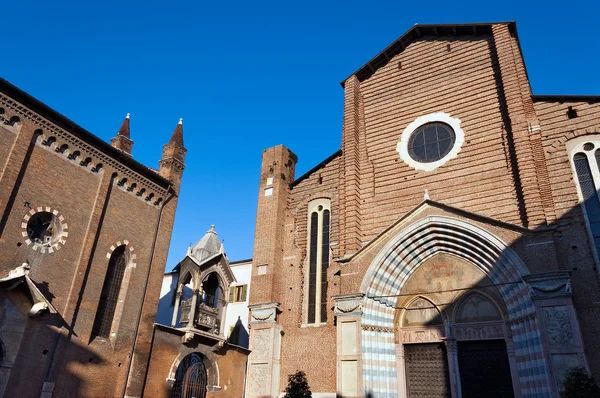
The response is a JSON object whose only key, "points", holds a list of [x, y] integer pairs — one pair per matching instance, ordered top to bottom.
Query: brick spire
{"points": [[124, 130], [177, 137], [122, 140], [171, 164]]}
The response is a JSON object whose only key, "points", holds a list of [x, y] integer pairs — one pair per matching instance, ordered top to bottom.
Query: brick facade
{"points": [[105, 200], [507, 203]]}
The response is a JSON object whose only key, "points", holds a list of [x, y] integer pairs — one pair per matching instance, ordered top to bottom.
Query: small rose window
{"points": [[431, 142], [44, 229]]}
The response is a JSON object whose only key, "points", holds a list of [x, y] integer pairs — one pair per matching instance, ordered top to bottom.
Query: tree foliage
{"points": [[578, 384], [297, 386]]}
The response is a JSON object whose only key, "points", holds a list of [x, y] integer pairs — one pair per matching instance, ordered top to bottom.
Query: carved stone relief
{"points": [[549, 284], [349, 304], [263, 313], [558, 327], [478, 332], [422, 336], [262, 343], [259, 376]]}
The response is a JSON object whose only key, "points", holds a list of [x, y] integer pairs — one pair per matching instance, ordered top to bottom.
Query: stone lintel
{"points": [[547, 285], [348, 304], [263, 313]]}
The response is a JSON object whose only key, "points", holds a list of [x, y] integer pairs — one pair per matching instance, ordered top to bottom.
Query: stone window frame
{"points": [[440, 117], [573, 147], [313, 206], [60, 240], [131, 265]]}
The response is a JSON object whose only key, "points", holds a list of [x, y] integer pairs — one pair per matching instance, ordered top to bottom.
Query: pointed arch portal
{"points": [[386, 279]]}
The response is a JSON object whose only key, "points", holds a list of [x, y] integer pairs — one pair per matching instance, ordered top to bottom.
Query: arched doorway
{"points": [[475, 261], [451, 328], [190, 377]]}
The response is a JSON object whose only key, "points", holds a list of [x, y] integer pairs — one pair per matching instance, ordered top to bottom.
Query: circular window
{"points": [[431, 142], [45, 229]]}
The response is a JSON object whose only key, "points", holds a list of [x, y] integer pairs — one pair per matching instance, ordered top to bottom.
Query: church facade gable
{"points": [[452, 243]]}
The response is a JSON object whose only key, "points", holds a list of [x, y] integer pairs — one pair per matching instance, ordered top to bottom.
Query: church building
{"points": [[84, 236], [449, 248]]}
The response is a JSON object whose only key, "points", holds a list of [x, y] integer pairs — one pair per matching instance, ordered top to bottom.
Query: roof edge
{"points": [[415, 32], [566, 98], [73, 128], [315, 168], [236, 262]]}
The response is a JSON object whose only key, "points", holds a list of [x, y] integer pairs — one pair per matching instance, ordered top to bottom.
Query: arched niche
{"points": [[476, 307], [421, 312]]}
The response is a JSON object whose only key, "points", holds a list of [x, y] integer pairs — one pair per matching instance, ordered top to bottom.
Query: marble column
{"points": [[348, 311], [264, 362]]}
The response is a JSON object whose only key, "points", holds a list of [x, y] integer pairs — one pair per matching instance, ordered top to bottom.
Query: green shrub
{"points": [[578, 384], [297, 386]]}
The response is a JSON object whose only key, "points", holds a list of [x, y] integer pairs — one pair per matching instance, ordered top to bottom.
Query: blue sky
{"points": [[246, 76]]}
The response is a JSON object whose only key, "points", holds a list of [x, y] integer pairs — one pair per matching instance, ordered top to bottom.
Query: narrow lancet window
{"points": [[589, 193], [318, 260], [312, 273], [110, 293]]}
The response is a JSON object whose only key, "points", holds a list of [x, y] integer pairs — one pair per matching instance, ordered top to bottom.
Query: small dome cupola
{"points": [[207, 246]]}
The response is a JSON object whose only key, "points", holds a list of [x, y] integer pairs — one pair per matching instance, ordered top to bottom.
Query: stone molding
{"points": [[453, 122], [86, 150], [547, 285], [348, 304], [263, 313]]}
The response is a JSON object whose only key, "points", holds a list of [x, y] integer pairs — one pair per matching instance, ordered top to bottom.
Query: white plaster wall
{"points": [[243, 274], [165, 304]]}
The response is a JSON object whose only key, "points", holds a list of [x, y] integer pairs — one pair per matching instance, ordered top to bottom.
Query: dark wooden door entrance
{"points": [[484, 369], [426, 370]]}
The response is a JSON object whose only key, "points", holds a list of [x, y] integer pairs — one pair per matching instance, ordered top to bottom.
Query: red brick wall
{"points": [[99, 213], [573, 246]]}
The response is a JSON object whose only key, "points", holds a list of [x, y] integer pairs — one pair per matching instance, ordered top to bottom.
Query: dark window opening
{"points": [[431, 142], [591, 203], [43, 228], [324, 265], [312, 273], [211, 292], [110, 293], [190, 377]]}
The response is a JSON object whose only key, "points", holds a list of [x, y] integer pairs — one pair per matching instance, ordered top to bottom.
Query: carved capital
{"points": [[549, 284], [348, 304], [263, 313]]}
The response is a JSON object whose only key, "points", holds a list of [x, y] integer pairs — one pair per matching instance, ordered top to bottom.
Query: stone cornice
{"points": [[54, 138]]}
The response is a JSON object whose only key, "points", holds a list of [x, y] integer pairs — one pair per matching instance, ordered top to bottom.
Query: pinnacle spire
{"points": [[124, 130], [177, 137], [123, 141]]}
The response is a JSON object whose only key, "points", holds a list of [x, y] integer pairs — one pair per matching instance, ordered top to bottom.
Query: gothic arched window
{"points": [[585, 158], [319, 221], [110, 293]]}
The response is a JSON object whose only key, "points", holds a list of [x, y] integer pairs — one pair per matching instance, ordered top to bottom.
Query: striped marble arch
{"points": [[395, 263]]}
